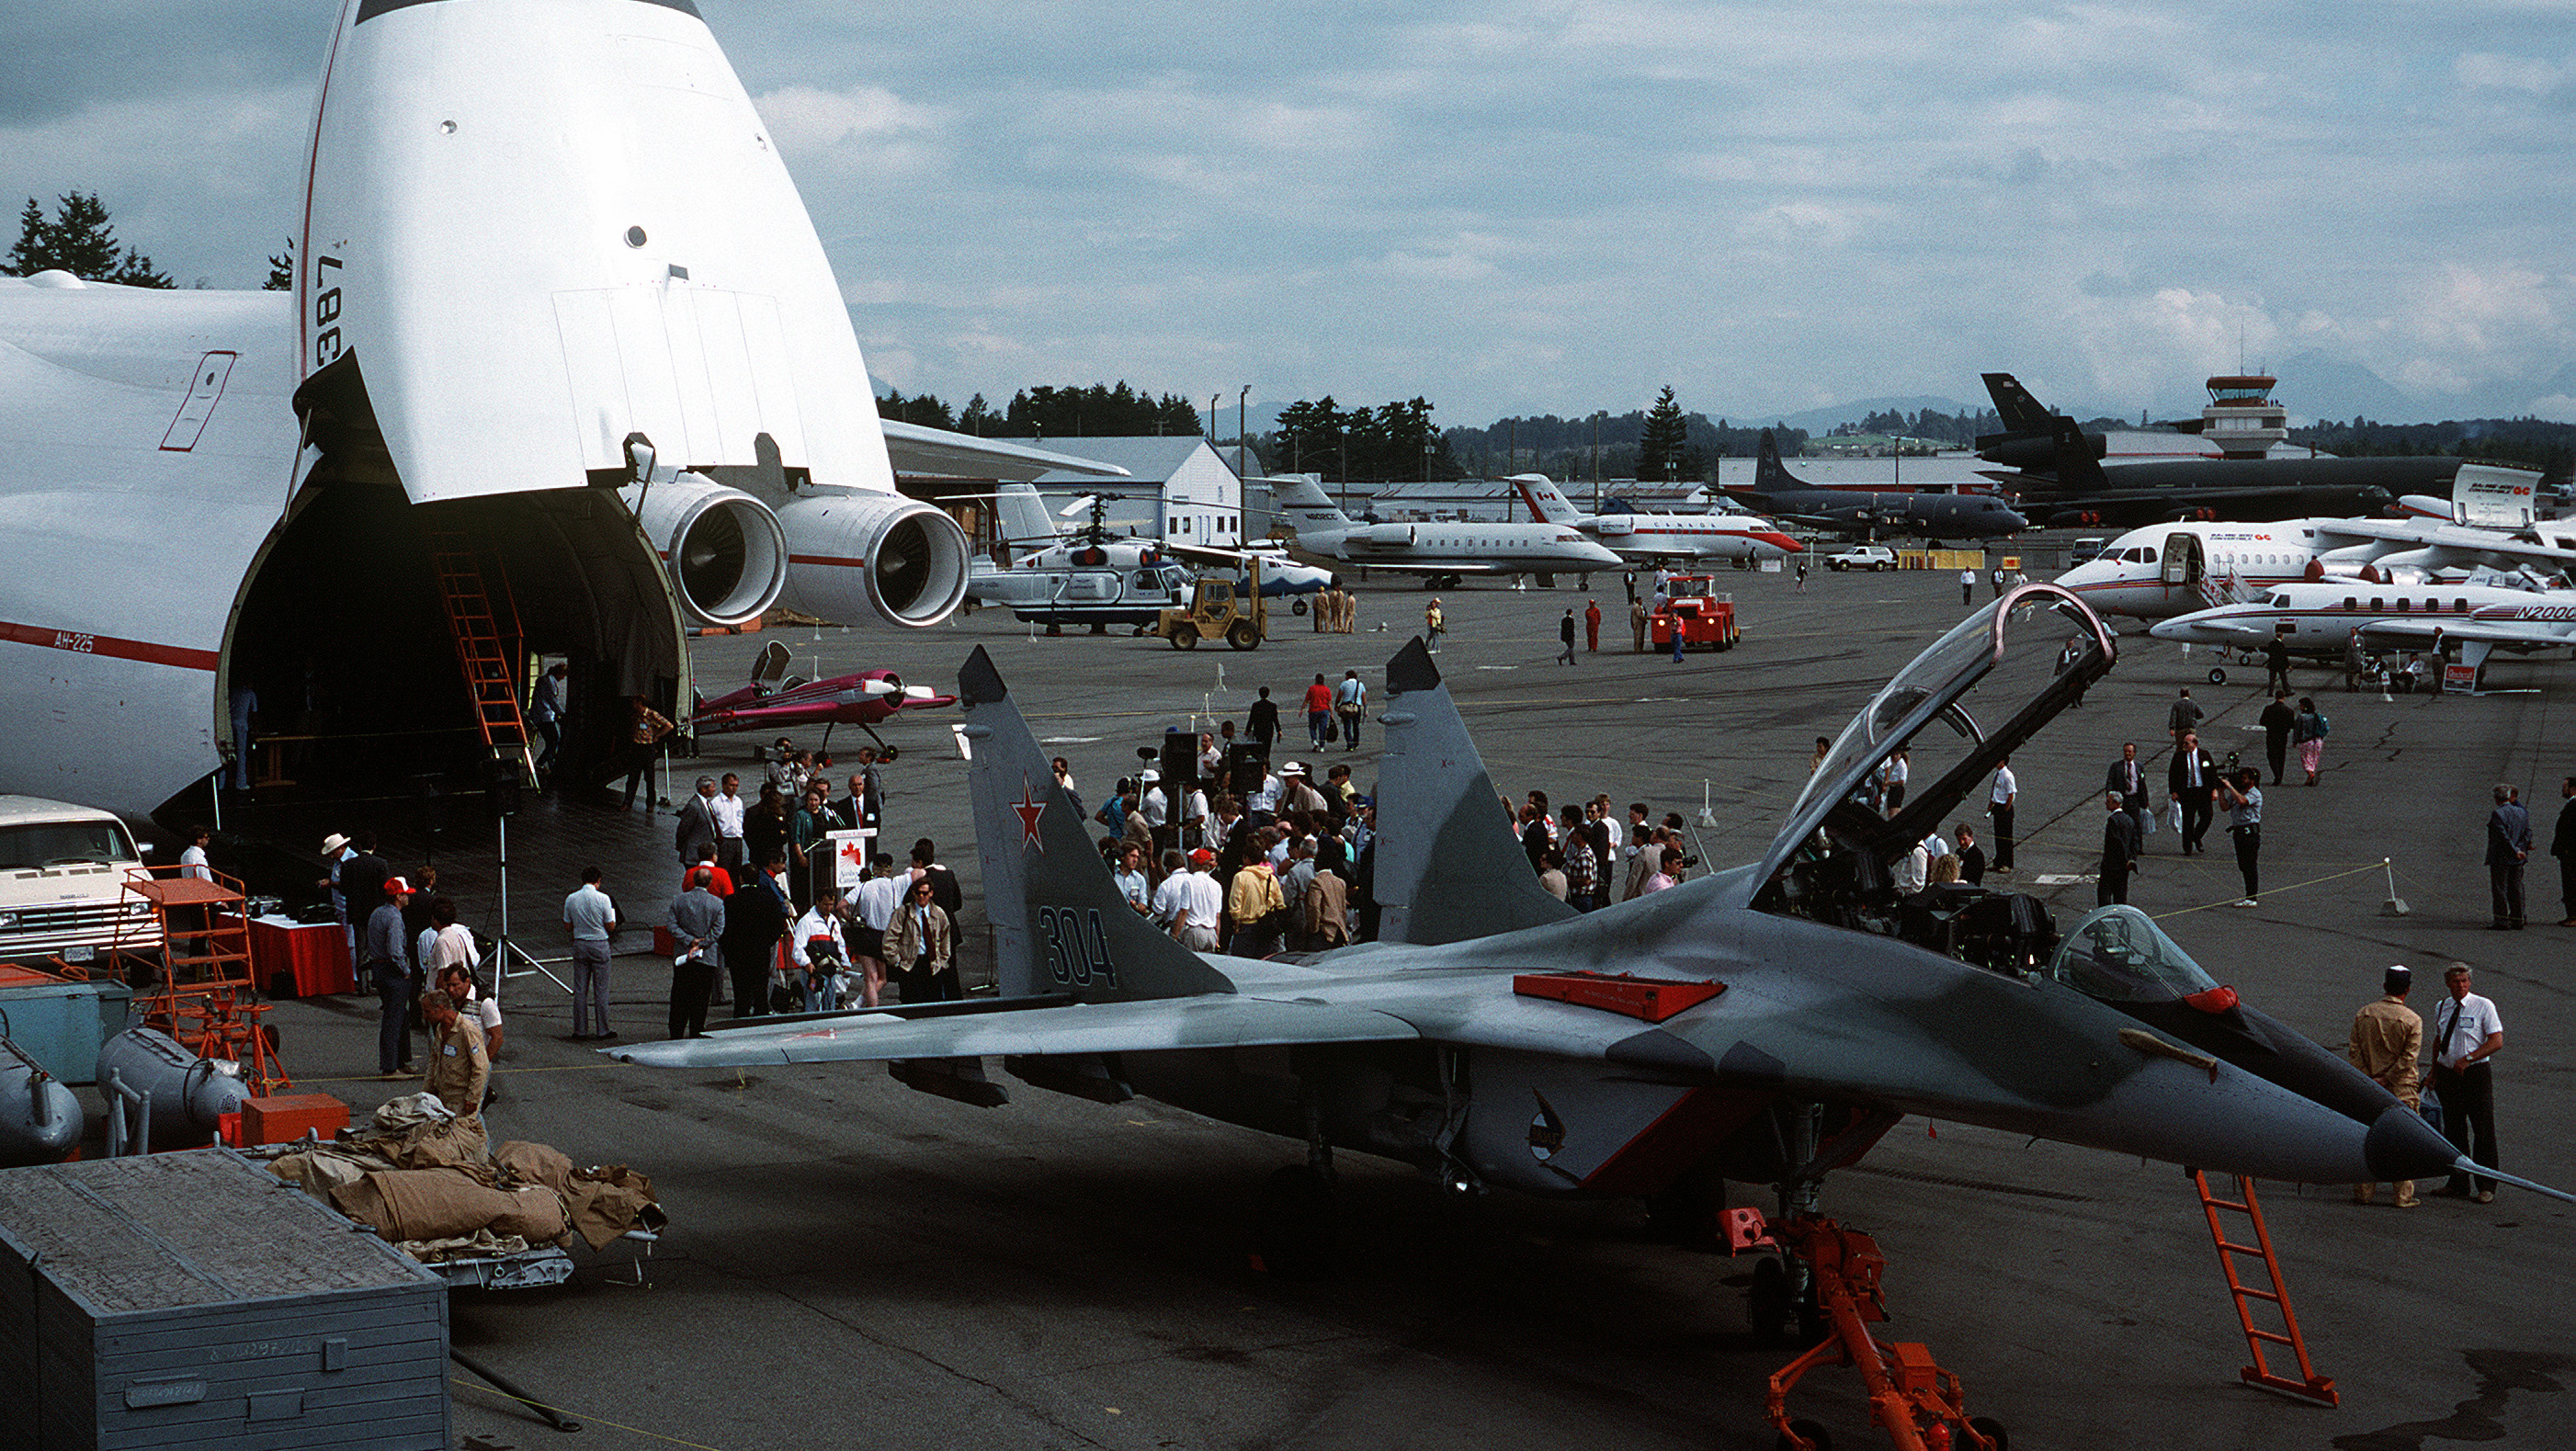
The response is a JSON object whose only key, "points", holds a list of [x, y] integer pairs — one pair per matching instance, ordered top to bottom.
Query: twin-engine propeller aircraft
{"points": [[564, 371], [1766, 1024]]}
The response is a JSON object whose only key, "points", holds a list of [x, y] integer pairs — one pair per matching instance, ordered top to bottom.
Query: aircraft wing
{"points": [[914, 449], [2459, 544], [2423, 630], [1212, 1020]]}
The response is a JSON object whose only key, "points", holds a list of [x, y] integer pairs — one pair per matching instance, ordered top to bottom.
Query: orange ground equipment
{"points": [[1694, 605], [200, 991], [2309, 1385], [1914, 1400]]}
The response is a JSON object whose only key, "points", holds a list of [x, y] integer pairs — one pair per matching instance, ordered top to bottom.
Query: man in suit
{"points": [[2191, 778], [2128, 780], [696, 833], [2562, 845], [2508, 847], [2119, 850], [1972, 857]]}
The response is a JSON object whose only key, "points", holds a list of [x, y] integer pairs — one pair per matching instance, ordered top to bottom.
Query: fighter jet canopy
{"points": [[2010, 661]]}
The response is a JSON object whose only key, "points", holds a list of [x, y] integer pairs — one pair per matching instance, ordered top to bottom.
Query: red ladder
{"points": [[483, 621], [2310, 1384]]}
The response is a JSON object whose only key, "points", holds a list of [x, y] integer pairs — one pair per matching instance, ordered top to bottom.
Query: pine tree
{"points": [[79, 241], [281, 269], [1660, 451]]}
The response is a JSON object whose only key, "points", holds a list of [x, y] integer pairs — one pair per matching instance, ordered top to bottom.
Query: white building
{"points": [[1177, 488]]}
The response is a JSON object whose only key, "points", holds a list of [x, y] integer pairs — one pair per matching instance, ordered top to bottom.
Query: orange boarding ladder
{"points": [[483, 621], [203, 994], [2310, 1385]]}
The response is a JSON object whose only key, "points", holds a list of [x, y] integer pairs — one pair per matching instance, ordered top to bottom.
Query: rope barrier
{"points": [[2270, 891], [584, 1416]]}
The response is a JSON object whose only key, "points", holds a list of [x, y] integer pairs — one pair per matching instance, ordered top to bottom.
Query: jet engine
{"points": [[1389, 536], [726, 553], [856, 554]]}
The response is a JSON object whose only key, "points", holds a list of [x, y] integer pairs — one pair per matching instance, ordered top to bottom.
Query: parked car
{"points": [[2084, 551], [1863, 556]]}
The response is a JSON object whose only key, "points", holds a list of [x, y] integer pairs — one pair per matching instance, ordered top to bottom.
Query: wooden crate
{"points": [[194, 1299]]}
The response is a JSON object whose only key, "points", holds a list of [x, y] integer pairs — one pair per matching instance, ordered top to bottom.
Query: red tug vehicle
{"points": [[1694, 606]]}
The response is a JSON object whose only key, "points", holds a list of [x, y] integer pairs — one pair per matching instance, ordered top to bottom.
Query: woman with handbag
{"points": [[917, 949]]}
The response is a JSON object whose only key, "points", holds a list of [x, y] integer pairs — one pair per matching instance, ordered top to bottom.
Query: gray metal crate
{"points": [[194, 1300]]}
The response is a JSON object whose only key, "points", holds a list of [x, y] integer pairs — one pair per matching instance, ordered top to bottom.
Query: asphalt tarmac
{"points": [[851, 1263]]}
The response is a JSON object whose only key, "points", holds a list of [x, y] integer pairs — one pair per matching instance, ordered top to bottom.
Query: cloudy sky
{"points": [[1512, 207]]}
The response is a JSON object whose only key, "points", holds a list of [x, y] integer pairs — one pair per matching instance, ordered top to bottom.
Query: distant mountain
{"points": [[2315, 385], [1833, 416]]}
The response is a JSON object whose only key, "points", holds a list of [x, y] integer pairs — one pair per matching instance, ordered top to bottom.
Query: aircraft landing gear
{"points": [[1296, 1229], [1913, 1399]]}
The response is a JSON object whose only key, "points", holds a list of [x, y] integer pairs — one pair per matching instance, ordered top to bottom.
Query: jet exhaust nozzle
{"points": [[725, 551], [856, 554]]}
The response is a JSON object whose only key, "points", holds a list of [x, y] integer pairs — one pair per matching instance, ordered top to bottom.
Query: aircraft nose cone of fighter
{"points": [[2400, 1145]]}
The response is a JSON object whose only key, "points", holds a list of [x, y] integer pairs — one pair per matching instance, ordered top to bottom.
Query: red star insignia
{"points": [[1030, 809]]}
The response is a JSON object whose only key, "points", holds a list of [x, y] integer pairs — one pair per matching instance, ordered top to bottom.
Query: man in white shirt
{"points": [[1350, 707], [1265, 797], [1999, 805], [727, 808], [1602, 813], [1194, 819], [192, 862], [1130, 878], [1190, 901], [873, 908], [818, 949], [2466, 1033]]}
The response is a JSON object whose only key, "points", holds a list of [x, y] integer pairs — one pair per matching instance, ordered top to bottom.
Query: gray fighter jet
{"points": [[1765, 1024]]}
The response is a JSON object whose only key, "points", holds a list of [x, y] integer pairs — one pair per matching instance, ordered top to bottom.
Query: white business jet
{"points": [[1682, 539], [1439, 552]]}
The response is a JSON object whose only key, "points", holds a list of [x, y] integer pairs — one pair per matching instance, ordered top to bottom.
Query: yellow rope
{"points": [[2294, 886], [497, 1072], [582, 1416]]}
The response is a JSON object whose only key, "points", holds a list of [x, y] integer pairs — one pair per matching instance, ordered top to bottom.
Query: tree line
{"points": [[2530, 443]]}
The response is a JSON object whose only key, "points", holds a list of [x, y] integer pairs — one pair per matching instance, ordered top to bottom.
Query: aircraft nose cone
{"points": [[2170, 630], [2400, 1145]]}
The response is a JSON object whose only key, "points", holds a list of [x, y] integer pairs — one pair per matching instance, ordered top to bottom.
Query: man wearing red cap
{"points": [[389, 968]]}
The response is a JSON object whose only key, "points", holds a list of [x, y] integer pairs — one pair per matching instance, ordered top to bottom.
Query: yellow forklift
{"points": [[1219, 609]]}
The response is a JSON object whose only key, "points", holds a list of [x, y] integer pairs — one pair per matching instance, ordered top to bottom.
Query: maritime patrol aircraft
{"points": [[563, 354], [1870, 513], [1659, 538], [1439, 552], [1095, 576], [1767, 1024]]}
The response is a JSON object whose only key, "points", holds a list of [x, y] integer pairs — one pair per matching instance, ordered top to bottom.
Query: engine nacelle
{"points": [[1617, 526], [1388, 536], [725, 551], [855, 554]]}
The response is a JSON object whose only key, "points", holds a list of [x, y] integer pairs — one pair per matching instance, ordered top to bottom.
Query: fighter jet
{"points": [[1868, 514], [1767, 1024]]}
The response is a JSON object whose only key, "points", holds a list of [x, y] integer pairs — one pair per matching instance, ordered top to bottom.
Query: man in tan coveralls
{"points": [[2387, 1038], [459, 1068]]}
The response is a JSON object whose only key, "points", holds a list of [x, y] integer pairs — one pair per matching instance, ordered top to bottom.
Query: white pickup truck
{"points": [[1863, 556], [63, 870]]}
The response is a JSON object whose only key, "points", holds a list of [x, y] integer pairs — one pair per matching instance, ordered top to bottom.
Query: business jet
{"points": [[564, 371], [1659, 538], [1443, 554], [2162, 570], [2327, 618]]}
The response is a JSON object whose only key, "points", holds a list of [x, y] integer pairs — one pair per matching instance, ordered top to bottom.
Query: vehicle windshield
{"points": [[1689, 587], [63, 843], [2119, 955]]}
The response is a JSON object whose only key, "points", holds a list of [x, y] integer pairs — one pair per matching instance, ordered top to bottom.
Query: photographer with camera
{"points": [[819, 954]]}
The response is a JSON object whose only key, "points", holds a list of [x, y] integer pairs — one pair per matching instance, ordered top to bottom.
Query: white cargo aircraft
{"points": [[563, 355], [1659, 538], [1438, 552], [2158, 571]]}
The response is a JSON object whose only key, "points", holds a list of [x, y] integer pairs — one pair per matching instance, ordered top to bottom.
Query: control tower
{"points": [[2241, 417]]}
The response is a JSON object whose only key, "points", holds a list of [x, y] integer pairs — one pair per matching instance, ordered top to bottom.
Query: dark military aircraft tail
{"points": [[2021, 412], [1770, 476], [1448, 866], [1059, 924]]}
